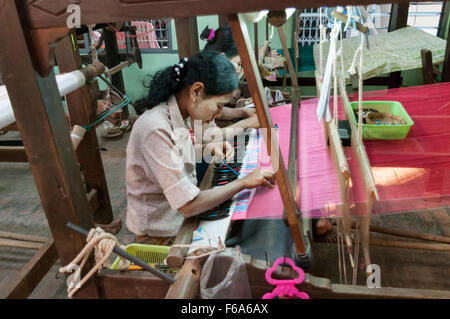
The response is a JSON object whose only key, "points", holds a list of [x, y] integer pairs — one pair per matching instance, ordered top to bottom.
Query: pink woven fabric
{"points": [[414, 173], [410, 174], [319, 192]]}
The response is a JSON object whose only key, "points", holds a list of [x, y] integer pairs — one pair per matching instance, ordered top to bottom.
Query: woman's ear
{"points": [[197, 90]]}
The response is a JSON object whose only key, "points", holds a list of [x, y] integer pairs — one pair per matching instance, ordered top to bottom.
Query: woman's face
{"points": [[236, 61], [207, 108]]}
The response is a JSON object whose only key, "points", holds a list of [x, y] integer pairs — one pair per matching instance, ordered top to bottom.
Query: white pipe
{"points": [[67, 83]]}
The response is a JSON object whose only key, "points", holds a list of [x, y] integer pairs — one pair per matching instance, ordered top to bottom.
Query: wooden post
{"points": [[398, 19], [444, 19], [223, 20], [255, 31], [187, 36], [242, 39], [112, 60], [427, 66], [446, 67], [82, 105], [42, 123]]}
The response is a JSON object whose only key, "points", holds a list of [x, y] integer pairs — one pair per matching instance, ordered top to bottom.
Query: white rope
{"points": [[92, 39], [321, 40], [352, 70], [335, 88], [360, 88], [341, 237], [104, 244], [339, 251], [356, 256]]}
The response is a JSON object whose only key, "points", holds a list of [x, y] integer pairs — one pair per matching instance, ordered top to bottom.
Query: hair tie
{"points": [[211, 35], [180, 69]]}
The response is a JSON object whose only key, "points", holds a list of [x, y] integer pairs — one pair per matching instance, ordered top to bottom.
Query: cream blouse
{"points": [[160, 171]]}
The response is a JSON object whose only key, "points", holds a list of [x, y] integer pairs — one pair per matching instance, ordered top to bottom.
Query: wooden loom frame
{"points": [[398, 19], [30, 27]]}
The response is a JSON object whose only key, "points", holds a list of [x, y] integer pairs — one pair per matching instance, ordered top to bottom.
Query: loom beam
{"points": [[66, 83]]}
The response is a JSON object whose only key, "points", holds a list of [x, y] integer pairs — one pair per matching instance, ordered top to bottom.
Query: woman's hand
{"points": [[251, 118], [253, 121], [221, 150], [259, 178]]}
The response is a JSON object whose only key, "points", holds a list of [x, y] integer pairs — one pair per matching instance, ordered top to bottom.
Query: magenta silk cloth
{"points": [[410, 174]]}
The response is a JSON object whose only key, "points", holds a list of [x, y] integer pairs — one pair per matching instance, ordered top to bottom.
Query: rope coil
{"points": [[103, 244]]}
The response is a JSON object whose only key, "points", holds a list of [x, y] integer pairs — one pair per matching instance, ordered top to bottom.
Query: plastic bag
{"points": [[224, 276]]}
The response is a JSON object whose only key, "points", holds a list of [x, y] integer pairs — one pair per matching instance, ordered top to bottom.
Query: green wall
{"points": [[152, 62]]}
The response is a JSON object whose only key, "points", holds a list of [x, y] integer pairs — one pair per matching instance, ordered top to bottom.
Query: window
{"points": [[422, 15], [425, 16], [308, 26], [153, 36]]}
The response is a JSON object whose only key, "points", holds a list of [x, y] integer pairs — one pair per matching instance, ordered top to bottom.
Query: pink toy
{"points": [[285, 288]]}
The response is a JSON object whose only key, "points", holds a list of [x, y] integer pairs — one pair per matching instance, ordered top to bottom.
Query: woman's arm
{"points": [[229, 113], [251, 121], [211, 198]]}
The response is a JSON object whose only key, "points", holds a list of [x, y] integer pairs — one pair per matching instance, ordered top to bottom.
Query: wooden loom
{"points": [[29, 27], [360, 154]]}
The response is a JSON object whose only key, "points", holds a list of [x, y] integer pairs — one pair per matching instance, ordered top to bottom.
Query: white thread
{"points": [[104, 244]]}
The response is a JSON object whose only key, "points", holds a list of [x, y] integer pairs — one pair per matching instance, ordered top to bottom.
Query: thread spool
{"points": [[77, 135]]}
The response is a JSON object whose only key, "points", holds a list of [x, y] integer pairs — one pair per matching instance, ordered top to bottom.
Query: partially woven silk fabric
{"points": [[410, 174]]}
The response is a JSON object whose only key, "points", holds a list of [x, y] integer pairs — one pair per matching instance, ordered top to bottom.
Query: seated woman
{"points": [[221, 40], [160, 170]]}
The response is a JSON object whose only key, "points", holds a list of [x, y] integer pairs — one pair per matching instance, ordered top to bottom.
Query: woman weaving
{"points": [[222, 40], [160, 170]]}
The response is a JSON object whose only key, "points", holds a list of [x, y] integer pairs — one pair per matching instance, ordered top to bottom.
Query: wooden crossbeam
{"points": [[40, 15], [13, 154], [28, 238], [19, 244], [23, 283]]}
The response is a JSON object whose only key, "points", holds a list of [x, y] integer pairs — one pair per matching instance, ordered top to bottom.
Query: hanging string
{"points": [[322, 36], [93, 46], [335, 90], [341, 238], [104, 244], [339, 251], [356, 256]]}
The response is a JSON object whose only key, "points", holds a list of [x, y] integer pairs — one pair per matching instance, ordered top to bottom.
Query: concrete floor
{"points": [[21, 212]]}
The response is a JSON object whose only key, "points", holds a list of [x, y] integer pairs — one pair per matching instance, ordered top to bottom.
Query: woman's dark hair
{"points": [[222, 41], [211, 68]]}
